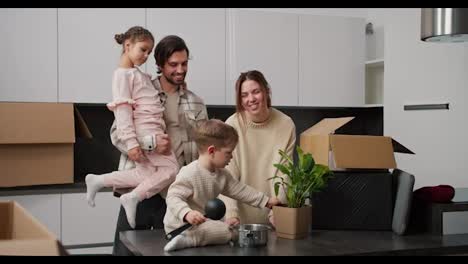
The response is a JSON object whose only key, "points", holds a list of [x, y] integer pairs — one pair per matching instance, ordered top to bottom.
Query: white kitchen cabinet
{"points": [[204, 33], [268, 42], [88, 53], [331, 61], [28, 72], [44, 207], [82, 224], [90, 251]]}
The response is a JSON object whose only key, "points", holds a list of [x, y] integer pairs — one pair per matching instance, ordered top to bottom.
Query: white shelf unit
{"points": [[377, 63], [374, 81]]}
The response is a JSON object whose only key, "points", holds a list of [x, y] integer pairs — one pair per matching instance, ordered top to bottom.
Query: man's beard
{"points": [[173, 82]]}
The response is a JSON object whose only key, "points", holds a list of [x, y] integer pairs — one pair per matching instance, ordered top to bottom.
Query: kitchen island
{"points": [[319, 243]]}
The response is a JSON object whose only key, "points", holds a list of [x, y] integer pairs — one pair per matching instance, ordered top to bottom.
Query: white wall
{"points": [[347, 12], [375, 42], [420, 72]]}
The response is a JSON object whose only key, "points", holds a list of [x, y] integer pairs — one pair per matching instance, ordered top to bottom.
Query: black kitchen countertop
{"points": [[78, 187], [320, 242]]}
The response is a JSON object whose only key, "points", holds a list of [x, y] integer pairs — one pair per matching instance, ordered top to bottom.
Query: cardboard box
{"points": [[36, 143], [349, 151], [22, 234]]}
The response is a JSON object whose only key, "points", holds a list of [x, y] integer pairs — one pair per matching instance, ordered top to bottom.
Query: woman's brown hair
{"points": [[257, 77]]}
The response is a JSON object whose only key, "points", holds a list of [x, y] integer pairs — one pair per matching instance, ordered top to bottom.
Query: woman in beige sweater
{"points": [[263, 130]]}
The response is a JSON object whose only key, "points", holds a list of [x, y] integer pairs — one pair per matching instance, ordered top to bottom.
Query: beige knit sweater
{"points": [[253, 160], [195, 185]]}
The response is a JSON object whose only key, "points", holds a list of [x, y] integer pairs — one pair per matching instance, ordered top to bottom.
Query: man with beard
{"points": [[183, 109]]}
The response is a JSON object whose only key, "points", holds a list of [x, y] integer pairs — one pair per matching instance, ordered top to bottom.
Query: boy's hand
{"points": [[135, 154], [272, 202], [195, 217], [232, 221]]}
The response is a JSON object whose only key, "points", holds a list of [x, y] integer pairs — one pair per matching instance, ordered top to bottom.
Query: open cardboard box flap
{"points": [[327, 126], [397, 147], [349, 151], [22, 234]]}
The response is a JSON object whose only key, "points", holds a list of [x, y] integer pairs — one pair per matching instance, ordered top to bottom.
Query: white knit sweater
{"points": [[195, 185]]}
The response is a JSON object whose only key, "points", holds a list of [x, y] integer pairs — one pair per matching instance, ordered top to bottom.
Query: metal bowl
{"points": [[252, 235]]}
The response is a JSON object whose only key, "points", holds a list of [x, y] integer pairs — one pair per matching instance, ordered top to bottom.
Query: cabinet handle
{"points": [[427, 107]]}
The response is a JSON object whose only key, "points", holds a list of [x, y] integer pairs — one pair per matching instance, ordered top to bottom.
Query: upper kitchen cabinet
{"points": [[204, 33], [268, 42], [88, 53], [331, 61], [28, 72]]}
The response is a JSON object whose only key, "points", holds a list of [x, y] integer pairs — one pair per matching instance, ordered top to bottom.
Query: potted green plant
{"points": [[301, 180]]}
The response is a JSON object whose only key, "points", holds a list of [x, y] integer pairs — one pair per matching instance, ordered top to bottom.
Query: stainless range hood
{"points": [[444, 24]]}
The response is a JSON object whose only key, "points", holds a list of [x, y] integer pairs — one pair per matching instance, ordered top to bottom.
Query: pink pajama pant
{"points": [[150, 176]]}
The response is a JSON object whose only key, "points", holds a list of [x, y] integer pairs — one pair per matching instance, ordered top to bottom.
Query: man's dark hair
{"points": [[166, 47]]}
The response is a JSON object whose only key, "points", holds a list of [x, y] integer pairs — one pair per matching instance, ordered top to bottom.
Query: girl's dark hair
{"points": [[134, 34], [166, 47]]}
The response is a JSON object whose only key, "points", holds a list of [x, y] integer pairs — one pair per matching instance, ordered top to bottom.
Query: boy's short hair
{"points": [[214, 132]]}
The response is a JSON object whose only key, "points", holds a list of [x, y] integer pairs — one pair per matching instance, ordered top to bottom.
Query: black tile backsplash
{"points": [[96, 155], [99, 156]]}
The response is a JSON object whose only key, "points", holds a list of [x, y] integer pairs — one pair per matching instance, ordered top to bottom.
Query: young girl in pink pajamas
{"points": [[138, 112]]}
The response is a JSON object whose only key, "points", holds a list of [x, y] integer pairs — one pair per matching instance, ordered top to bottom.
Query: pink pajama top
{"points": [[136, 105]]}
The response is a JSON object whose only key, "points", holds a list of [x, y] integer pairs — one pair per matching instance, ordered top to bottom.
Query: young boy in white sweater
{"points": [[202, 180]]}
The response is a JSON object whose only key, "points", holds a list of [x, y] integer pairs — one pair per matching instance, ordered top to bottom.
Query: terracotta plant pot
{"points": [[292, 223]]}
